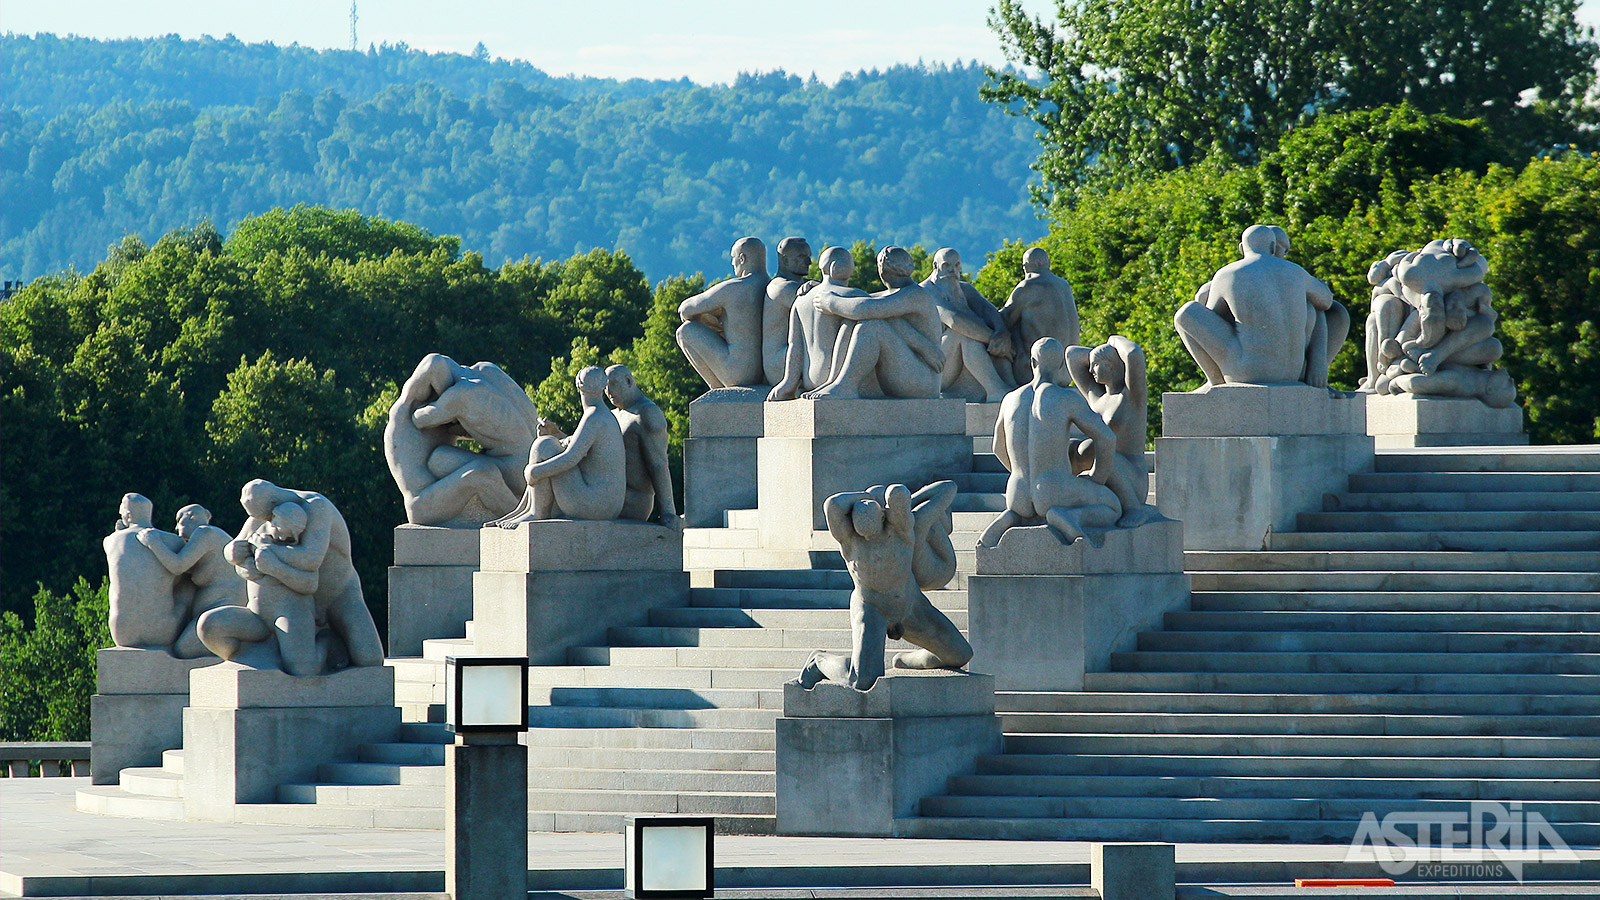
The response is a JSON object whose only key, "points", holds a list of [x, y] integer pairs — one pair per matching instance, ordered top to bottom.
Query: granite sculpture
{"points": [[794, 268], [1040, 306], [1263, 319], [1431, 329], [721, 332], [888, 344], [977, 345], [808, 358], [1112, 378], [442, 403], [1032, 439], [644, 442], [581, 476], [879, 532], [933, 561], [203, 563], [147, 611], [305, 613]]}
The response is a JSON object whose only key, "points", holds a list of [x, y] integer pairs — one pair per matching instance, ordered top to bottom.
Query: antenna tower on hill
{"points": [[353, 24]]}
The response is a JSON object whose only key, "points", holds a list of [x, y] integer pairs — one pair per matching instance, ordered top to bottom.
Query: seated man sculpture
{"points": [[794, 268], [1040, 306], [1263, 319], [1390, 320], [721, 330], [975, 340], [888, 345], [808, 359], [1112, 378], [441, 403], [1032, 439], [644, 442], [583, 476], [879, 538], [203, 562], [305, 600], [148, 606]]}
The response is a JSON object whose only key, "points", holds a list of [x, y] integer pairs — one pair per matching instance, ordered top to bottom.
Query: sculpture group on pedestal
{"points": [[1431, 329], [896, 545], [162, 583]]}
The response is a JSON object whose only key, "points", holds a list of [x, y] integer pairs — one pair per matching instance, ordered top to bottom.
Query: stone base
{"points": [[1406, 420], [813, 449], [719, 456], [1236, 463], [430, 585], [546, 586], [1041, 613], [137, 710], [247, 730], [852, 762], [1133, 871]]}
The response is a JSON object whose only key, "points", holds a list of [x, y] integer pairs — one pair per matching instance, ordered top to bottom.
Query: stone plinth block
{"points": [[981, 418], [1406, 420], [813, 449], [719, 456], [1238, 462], [430, 585], [546, 586], [1041, 631], [137, 710], [251, 730], [852, 762], [486, 817], [1133, 871]]}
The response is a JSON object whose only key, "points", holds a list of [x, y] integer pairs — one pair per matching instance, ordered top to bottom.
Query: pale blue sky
{"points": [[707, 40]]}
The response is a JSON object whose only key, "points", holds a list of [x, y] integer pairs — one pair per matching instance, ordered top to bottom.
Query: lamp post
{"points": [[486, 773], [669, 857]]}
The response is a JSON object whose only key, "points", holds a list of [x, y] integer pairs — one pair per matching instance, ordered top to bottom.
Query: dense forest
{"points": [[102, 138]]}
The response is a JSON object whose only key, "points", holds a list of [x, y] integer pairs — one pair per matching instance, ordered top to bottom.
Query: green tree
{"points": [[47, 669]]}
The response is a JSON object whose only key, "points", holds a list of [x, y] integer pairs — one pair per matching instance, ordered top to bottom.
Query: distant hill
{"points": [[100, 138]]}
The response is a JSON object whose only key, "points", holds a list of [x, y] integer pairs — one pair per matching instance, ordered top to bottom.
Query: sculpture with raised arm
{"points": [[794, 267], [1040, 306], [1263, 319], [721, 330], [975, 340], [888, 345], [808, 360], [1112, 378], [442, 403], [1032, 439], [644, 441], [583, 476], [879, 532], [203, 562], [147, 609]]}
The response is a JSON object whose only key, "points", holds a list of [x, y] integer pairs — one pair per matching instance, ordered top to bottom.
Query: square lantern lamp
{"points": [[486, 694], [669, 857]]}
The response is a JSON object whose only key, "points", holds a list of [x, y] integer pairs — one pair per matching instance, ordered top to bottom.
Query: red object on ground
{"points": [[1343, 882]]}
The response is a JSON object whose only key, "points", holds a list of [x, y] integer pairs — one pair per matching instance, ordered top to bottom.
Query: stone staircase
{"points": [[1432, 637]]}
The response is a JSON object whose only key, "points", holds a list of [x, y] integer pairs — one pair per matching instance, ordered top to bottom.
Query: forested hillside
{"points": [[102, 138]]}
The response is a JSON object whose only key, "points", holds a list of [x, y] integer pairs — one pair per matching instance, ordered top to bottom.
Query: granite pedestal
{"points": [[1407, 420], [813, 449], [719, 456], [1237, 462], [430, 585], [549, 585], [1041, 613], [137, 710], [246, 730], [852, 762], [486, 817], [1133, 871]]}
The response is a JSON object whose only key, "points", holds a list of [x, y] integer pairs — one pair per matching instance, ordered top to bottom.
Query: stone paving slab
{"points": [[48, 848]]}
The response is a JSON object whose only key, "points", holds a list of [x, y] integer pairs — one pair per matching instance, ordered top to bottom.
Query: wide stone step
{"points": [[1491, 459], [987, 463], [981, 482], [1476, 482], [1460, 501], [989, 504], [1474, 520], [721, 538], [1400, 541], [1374, 560], [808, 579], [1396, 581], [771, 598], [1386, 601], [731, 617], [1338, 620], [655, 636], [1368, 642], [787, 658], [1340, 662], [619, 675], [1339, 683], [662, 698], [1301, 704], [648, 717], [1299, 724], [738, 739], [1307, 745], [402, 754], [650, 759], [172, 760], [1215, 765], [380, 773], [699, 781], [151, 782], [1223, 786], [112, 800], [755, 803], [1340, 809], [613, 823], [1198, 830]]}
